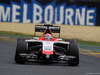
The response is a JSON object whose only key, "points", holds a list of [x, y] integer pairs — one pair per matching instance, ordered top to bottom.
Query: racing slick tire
{"points": [[70, 40], [21, 48], [73, 51]]}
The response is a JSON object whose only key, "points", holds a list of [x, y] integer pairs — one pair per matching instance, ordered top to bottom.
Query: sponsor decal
{"points": [[51, 13], [47, 47]]}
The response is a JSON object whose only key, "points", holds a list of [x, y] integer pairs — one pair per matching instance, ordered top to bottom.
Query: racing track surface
{"points": [[89, 65]]}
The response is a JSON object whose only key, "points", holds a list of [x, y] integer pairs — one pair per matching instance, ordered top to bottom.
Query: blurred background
{"points": [[8, 1]]}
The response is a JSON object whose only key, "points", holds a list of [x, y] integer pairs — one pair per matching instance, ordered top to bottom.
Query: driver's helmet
{"points": [[47, 37]]}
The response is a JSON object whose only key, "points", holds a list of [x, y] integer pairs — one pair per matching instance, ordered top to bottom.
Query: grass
{"points": [[14, 33], [25, 35], [89, 42]]}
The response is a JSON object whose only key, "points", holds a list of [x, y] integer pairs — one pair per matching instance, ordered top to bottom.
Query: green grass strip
{"points": [[14, 33], [25, 35], [88, 42]]}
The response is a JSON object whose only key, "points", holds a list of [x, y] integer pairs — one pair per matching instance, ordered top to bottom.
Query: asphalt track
{"points": [[89, 65]]}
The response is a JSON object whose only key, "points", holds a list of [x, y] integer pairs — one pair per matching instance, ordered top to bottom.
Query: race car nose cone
{"points": [[47, 56]]}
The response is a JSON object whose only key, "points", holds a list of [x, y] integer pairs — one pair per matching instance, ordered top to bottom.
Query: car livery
{"points": [[47, 48]]}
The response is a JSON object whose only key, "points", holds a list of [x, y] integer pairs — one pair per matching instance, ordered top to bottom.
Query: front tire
{"points": [[71, 40], [21, 48], [73, 51]]}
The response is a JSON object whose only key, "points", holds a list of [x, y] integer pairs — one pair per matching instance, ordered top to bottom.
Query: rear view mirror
{"points": [[36, 38], [59, 39]]}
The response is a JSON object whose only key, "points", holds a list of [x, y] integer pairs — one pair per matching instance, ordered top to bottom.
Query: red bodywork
{"points": [[42, 38], [48, 42]]}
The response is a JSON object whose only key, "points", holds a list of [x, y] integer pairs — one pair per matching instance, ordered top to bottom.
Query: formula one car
{"points": [[47, 48]]}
